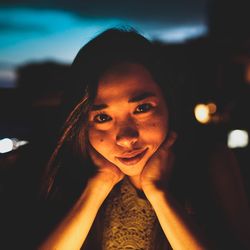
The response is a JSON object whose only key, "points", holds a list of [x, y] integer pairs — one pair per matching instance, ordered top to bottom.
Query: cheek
{"points": [[154, 131], [100, 140]]}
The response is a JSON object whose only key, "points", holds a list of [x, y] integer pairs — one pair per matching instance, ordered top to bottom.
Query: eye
{"points": [[143, 108], [102, 118]]}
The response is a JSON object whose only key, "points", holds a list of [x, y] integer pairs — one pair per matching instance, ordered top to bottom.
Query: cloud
{"points": [[140, 10], [30, 19], [10, 27], [50, 33], [31, 34]]}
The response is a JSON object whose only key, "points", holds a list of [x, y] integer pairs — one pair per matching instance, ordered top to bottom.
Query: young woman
{"points": [[111, 180]]}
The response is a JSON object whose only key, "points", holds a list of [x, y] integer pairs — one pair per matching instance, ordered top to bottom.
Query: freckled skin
{"points": [[127, 130]]}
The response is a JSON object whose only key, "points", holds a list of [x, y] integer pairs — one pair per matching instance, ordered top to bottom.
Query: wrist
{"points": [[101, 182], [153, 187], [95, 191]]}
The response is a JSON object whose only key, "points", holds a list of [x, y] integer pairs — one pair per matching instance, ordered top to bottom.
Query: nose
{"points": [[127, 136]]}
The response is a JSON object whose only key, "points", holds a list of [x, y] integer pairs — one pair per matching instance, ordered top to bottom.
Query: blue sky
{"points": [[29, 34]]}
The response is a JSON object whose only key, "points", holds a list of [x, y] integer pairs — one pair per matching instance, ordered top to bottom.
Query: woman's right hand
{"points": [[106, 170], [72, 231]]}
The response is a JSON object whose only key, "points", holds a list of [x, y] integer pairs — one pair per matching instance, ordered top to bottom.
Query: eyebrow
{"points": [[141, 97], [136, 98], [98, 107]]}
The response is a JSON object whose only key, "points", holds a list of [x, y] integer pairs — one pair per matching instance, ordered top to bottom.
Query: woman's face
{"points": [[129, 118]]}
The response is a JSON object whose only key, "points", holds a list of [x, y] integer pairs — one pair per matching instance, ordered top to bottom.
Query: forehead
{"points": [[125, 80]]}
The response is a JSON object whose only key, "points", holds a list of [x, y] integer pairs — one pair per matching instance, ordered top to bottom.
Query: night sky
{"points": [[33, 31]]}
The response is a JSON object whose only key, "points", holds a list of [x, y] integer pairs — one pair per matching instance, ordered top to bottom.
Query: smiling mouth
{"points": [[132, 160]]}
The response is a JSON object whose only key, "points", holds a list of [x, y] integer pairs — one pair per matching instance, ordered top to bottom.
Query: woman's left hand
{"points": [[159, 167]]}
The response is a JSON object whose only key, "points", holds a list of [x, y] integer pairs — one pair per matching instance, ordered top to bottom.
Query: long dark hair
{"points": [[69, 166]]}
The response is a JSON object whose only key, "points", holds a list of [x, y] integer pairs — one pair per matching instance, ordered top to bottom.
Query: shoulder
{"points": [[224, 169], [228, 185]]}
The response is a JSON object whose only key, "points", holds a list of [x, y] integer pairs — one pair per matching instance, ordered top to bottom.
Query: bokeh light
{"points": [[212, 107], [201, 112], [237, 139], [6, 145]]}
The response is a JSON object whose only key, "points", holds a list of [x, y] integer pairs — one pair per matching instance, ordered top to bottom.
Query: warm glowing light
{"points": [[212, 107], [201, 112], [237, 139], [6, 145]]}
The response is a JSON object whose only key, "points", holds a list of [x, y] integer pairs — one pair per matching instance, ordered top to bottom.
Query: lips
{"points": [[133, 157]]}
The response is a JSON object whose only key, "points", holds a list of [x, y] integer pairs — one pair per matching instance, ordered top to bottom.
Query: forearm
{"points": [[177, 226], [74, 228]]}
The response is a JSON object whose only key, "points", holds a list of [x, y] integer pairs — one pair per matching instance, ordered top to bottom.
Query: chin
{"points": [[133, 170], [132, 173]]}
